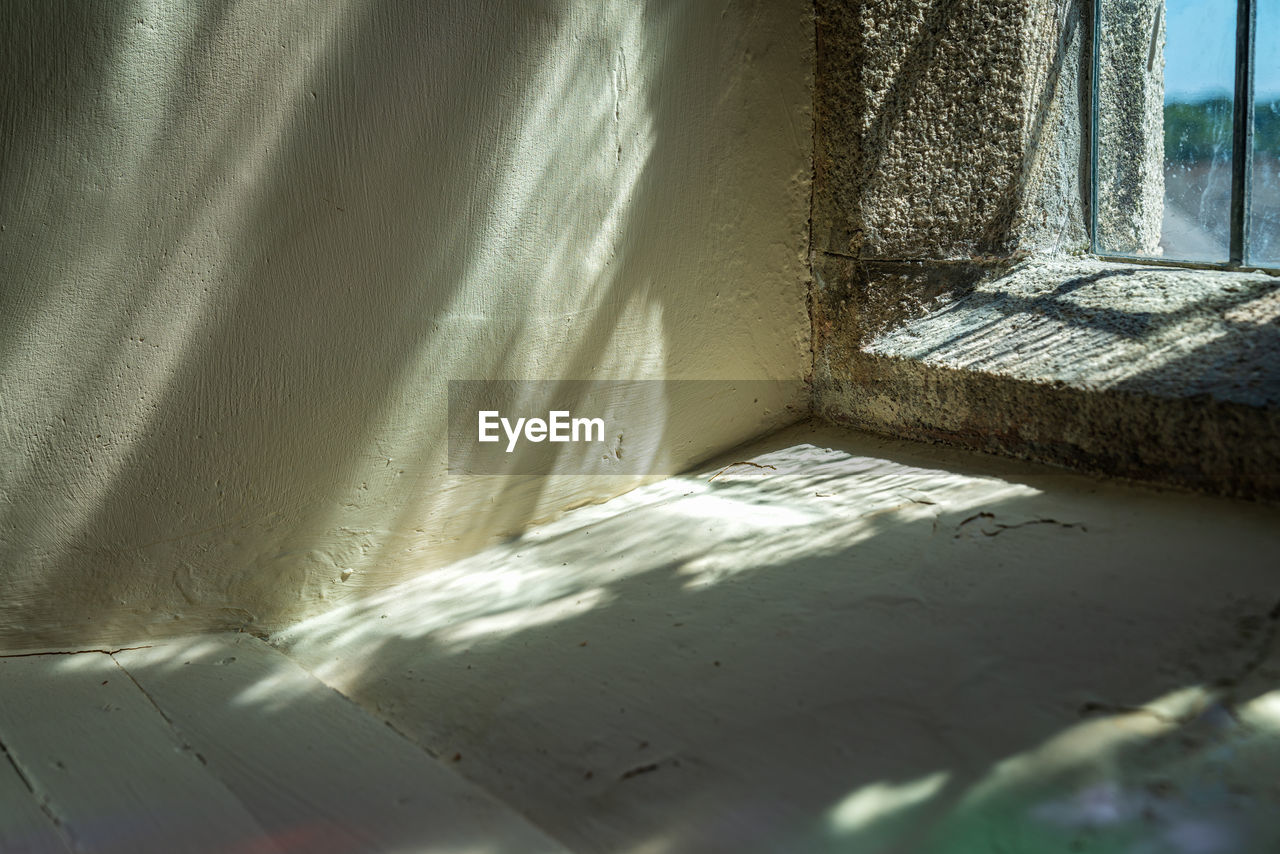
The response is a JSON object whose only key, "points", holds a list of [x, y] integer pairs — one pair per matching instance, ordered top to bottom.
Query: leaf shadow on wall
{"points": [[312, 223]]}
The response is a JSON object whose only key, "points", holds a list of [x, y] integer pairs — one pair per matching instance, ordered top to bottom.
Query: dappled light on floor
{"points": [[701, 529], [825, 642], [830, 642], [1185, 774], [879, 803]]}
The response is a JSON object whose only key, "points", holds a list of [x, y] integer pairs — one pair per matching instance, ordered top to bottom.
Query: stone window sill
{"points": [[1154, 373]]}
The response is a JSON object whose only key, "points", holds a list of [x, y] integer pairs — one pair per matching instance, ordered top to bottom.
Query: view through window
{"points": [[1167, 91]]}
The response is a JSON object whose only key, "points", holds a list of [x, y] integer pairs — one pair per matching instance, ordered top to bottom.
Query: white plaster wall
{"points": [[246, 244]]}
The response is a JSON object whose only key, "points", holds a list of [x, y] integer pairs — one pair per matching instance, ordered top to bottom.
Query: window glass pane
{"points": [[1167, 73], [1264, 224]]}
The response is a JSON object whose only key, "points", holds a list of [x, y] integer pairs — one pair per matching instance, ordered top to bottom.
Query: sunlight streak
{"points": [[879, 801]]}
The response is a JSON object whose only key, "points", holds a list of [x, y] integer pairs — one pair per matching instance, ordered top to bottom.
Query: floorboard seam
{"points": [[173, 728], [433, 755], [41, 802]]}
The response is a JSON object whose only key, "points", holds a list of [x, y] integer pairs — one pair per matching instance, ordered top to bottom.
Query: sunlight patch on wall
{"points": [[255, 241], [538, 297]]}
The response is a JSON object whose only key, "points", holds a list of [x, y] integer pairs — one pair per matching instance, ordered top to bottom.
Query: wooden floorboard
{"points": [[850, 645], [107, 765], [319, 773], [24, 826]]}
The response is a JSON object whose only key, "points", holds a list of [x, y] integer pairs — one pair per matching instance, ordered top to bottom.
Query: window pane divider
{"points": [[1095, 13], [1242, 132]]}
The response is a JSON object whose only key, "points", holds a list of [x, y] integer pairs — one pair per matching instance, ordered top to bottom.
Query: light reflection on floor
{"points": [[872, 646]]}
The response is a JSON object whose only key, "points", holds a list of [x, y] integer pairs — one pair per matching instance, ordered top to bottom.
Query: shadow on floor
{"points": [[849, 644]]}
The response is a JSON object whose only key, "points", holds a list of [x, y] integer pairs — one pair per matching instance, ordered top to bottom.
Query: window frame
{"points": [[1241, 148]]}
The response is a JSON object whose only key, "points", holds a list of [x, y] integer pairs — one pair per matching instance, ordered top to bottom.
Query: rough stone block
{"points": [[949, 128]]}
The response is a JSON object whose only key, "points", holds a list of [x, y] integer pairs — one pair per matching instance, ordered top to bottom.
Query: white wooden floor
{"points": [[850, 645], [220, 744]]}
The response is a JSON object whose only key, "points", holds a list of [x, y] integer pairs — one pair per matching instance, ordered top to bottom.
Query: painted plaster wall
{"points": [[245, 246]]}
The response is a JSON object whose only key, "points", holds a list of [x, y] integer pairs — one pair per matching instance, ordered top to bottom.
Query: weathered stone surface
{"points": [[1131, 127], [949, 128], [855, 300], [1152, 373], [1206, 445]]}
